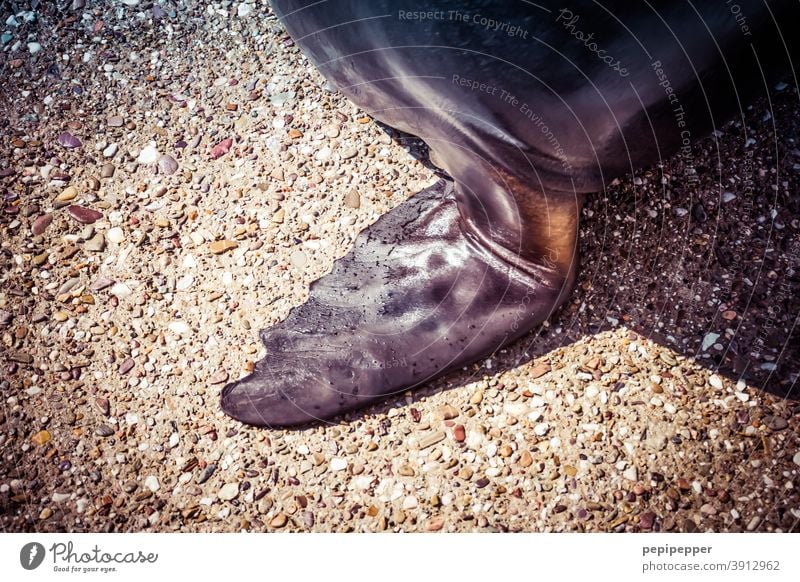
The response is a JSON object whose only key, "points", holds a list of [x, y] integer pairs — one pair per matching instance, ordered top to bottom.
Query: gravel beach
{"points": [[175, 174]]}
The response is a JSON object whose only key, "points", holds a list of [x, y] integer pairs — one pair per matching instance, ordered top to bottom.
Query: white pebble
{"points": [[148, 155], [115, 235], [541, 429], [338, 464]]}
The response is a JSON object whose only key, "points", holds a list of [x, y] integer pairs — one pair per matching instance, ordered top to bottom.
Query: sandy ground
{"points": [[174, 177]]}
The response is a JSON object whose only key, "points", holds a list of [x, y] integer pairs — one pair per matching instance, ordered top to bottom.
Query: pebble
{"points": [[68, 141], [221, 148], [110, 151], [148, 155], [167, 165], [107, 170], [67, 194], [352, 199], [84, 215], [41, 223], [115, 235], [95, 244], [222, 246], [298, 259], [539, 370], [218, 378], [715, 381], [103, 405], [776, 423], [541, 429], [104, 431], [459, 434], [41, 438], [431, 439], [796, 458], [338, 464], [206, 474], [631, 474], [151, 483], [228, 492], [647, 520], [279, 521], [435, 523], [753, 523]]}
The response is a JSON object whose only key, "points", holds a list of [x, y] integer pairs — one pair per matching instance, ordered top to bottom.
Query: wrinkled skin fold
{"points": [[525, 124]]}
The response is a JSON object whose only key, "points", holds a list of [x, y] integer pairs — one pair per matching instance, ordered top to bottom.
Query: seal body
{"points": [[527, 107]]}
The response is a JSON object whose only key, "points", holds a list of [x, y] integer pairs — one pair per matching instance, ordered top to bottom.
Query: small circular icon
{"points": [[31, 555]]}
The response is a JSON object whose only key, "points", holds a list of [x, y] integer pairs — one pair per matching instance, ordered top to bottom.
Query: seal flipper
{"points": [[417, 297]]}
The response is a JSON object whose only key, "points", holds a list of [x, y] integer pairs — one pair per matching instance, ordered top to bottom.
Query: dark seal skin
{"points": [[527, 107]]}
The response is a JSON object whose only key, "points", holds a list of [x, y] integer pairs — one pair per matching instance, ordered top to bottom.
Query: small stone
{"points": [[115, 121], [68, 141], [221, 148], [110, 151], [348, 153], [149, 155], [167, 165], [107, 170], [67, 194], [352, 199], [84, 215], [41, 223], [115, 235], [95, 244], [221, 246], [298, 259], [729, 315], [179, 327], [21, 357], [126, 365], [539, 370], [218, 378], [715, 381], [476, 397], [103, 405], [448, 412], [776, 423], [541, 429], [104, 431], [459, 434], [41, 438], [431, 439], [796, 458], [525, 459], [338, 464], [206, 474], [631, 474], [151, 483], [228, 492], [60, 497], [279, 520], [647, 520], [435, 523], [753, 523]]}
